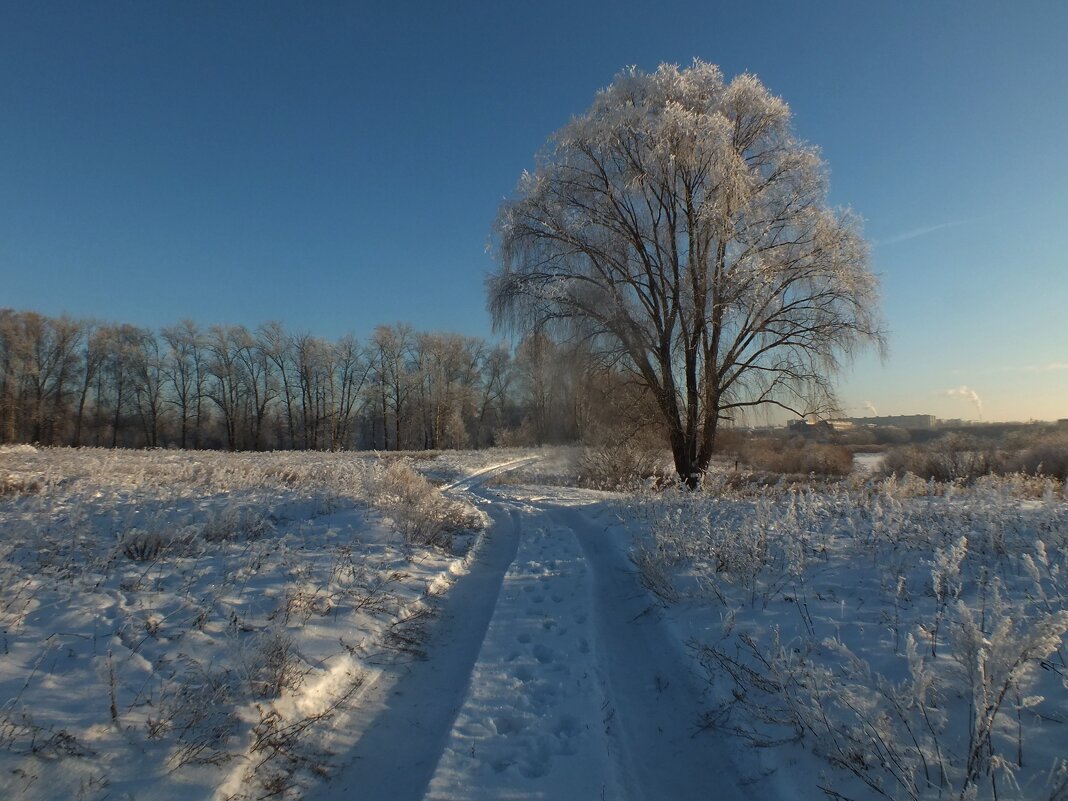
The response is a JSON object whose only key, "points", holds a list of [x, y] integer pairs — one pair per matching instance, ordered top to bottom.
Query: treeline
{"points": [[79, 382]]}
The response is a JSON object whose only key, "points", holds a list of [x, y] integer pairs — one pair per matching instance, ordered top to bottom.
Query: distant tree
{"points": [[680, 223], [94, 340], [277, 346], [391, 354], [311, 356], [38, 363], [446, 367], [350, 368], [149, 373], [9, 375], [185, 375], [117, 380], [495, 380], [545, 381], [86, 382], [259, 385], [225, 387]]}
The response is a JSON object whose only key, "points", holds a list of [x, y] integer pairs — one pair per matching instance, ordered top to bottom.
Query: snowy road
{"points": [[549, 676]]}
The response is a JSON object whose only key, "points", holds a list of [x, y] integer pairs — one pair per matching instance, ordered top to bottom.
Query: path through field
{"points": [[549, 676]]}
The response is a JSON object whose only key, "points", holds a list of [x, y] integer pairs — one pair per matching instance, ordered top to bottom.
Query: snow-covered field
{"points": [[172, 623], [331, 626], [909, 635]]}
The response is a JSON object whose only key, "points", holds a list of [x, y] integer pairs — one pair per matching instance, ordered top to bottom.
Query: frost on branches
{"points": [[682, 225]]}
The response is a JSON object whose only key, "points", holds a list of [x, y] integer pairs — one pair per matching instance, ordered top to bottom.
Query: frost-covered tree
{"points": [[681, 223], [391, 349], [186, 376]]}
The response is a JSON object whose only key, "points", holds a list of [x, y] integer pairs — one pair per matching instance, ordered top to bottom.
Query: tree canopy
{"points": [[681, 224]]}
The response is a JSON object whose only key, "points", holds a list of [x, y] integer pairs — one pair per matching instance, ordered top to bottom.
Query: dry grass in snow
{"points": [[178, 624], [910, 633]]}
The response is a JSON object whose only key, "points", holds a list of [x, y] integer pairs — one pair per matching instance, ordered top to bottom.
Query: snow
{"points": [[167, 615], [319, 626], [859, 637], [532, 722]]}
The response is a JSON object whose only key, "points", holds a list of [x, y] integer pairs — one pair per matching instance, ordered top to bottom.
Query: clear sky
{"points": [[338, 165]]}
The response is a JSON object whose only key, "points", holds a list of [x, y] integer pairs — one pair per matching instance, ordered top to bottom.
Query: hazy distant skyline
{"points": [[335, 166]]}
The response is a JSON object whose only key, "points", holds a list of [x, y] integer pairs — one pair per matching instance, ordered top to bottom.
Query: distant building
{"points": [[923, 421], [808, 426]]}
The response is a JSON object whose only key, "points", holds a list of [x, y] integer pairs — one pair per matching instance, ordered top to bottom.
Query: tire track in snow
{"points": [[547, 678], [654, 695], [410, 717], [532, 725]]}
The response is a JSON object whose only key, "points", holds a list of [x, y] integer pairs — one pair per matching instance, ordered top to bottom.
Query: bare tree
{"points": [[681, 222], [94, 340], [277, 346], [391, 354], [38, 363], [312, 363], [446, 367], [149, 373], [9, 375], [348, 375], [185, 376], [495, 379], [540, 379], [116, 381], [111, 384], [259, 384], [225, 387]]}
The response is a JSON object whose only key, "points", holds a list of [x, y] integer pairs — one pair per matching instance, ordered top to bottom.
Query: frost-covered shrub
{"points": [[797, 457], [956, 457], [1046, 457], [948, 458], [623, 465], [20, 485], [419, 511], [235, 523], [142, 546], [910, 632], [272, 664], [196, 712], [905, 739]]}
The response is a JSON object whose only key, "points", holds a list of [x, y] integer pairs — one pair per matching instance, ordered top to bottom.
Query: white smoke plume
{"points": [[970, 394], [869, 406]]}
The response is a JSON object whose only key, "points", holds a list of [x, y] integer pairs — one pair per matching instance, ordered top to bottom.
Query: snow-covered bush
{"points": [[1048, 456], [796, 457], [957, 457], [623, 465], [419, 511], [912, 633]]}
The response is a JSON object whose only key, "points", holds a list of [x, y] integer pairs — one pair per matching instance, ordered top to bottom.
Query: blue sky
{"points": [[336, 166]]}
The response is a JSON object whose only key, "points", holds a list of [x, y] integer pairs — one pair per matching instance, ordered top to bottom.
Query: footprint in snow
{"points": [[543, 654], [508, 724], [502, 763], [536, 764]]}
